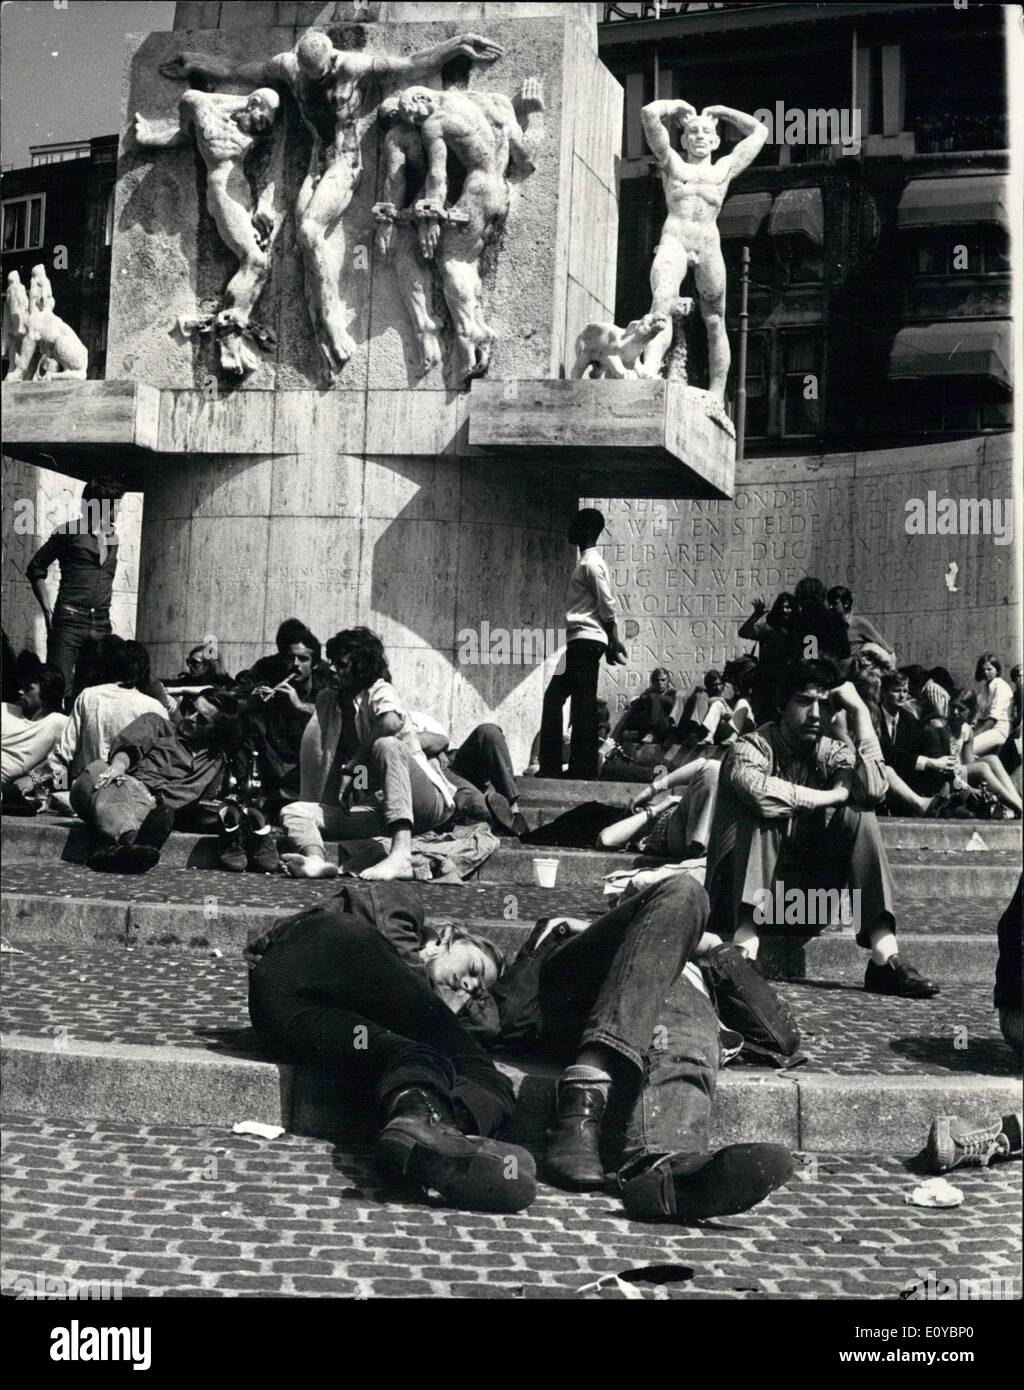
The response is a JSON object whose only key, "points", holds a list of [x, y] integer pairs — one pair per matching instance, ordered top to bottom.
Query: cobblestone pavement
{"points": [[456, 901], [133, 995], [205, 1211]]}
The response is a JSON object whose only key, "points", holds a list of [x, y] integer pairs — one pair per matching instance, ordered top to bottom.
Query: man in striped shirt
{"points": [[795, 810]]}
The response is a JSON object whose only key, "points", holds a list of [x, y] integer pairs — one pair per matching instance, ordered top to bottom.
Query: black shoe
{"points": [[156, 829], [260, 846], [232, 856], [126, 857], [898, 979], [420, 1143], [572, 1156], [691, 1187]]}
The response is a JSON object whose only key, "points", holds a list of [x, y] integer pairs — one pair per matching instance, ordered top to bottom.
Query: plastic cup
{"points": [[545, 871]]}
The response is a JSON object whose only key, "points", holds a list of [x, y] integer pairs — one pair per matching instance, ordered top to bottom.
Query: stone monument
{"points": [[417, 210]]}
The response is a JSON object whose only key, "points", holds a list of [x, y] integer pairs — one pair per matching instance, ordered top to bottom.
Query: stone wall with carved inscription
{"points": [[686, 572]]}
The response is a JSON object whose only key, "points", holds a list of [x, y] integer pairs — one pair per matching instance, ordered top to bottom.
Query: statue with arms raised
{"points": [[695, 189]]}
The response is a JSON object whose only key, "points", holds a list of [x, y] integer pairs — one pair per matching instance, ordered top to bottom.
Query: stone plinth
{"points": [[658, 437], [687, 572]]}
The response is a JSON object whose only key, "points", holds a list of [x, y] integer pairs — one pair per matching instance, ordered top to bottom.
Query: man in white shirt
{"points": [[591, 632], [103, 710], [29, 729], [363, 771]]}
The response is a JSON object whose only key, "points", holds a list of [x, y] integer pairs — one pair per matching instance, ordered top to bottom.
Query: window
{"points": [[23, 222], [972, 250], [800, 360], [757, 386], [953, 405]]}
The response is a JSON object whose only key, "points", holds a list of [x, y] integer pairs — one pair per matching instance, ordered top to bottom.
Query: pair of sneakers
{"points": [[247, 841]]}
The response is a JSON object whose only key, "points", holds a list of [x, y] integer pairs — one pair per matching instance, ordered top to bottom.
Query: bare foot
{"points": [[396, 865], [308, 866]]}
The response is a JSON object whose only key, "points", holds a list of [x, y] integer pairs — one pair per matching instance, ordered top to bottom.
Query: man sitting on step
{"points": [[155, 769], [363, 770], [480, 771], [795, 809]]}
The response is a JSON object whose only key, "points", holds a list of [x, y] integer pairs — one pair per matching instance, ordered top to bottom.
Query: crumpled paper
{"points": [[258, 1128], [936, 1192]]}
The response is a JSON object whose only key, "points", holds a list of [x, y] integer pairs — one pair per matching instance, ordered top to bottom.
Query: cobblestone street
{"points": [[193, 1211]]}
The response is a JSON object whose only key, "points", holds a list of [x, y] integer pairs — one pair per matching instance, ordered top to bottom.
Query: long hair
{"points": [[365, 652], [983, 660]]}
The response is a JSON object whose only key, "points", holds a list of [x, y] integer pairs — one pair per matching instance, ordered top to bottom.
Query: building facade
{"points": [[59, 211], [877, 221]]}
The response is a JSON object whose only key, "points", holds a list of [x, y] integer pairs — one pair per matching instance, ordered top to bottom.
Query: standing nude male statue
{"points": [[330, 86], [226, 129], [483, 131], [694, 192]]}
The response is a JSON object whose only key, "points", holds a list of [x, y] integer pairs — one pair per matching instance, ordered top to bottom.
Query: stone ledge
{"points": [[80, 419], [624, 433], [28, 919], [167, 1085]]}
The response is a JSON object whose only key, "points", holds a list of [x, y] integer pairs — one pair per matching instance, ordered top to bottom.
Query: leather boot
{"points": [[259, 843], [232, 850], [420, 1143], [572, 1156], [688, 1187]]}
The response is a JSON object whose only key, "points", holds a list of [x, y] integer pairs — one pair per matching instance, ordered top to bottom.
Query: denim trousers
{"points": [[68, 634], [577, 683], [620, 983], [333, 993]]}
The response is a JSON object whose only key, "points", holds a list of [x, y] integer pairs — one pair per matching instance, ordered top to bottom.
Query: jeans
{"points": [[68, 634], [577, 684], [482, 761], [409, 796], [115, 809], [620, 984], [333, 992]]}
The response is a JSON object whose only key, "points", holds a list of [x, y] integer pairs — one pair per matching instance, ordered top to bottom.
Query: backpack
{"points": [[747, 1004]]}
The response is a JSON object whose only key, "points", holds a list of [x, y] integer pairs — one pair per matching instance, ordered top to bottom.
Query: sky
{"points": [[60, 67]]}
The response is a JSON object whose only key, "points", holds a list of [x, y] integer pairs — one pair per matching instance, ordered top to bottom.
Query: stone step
{"points": [[898, 832], [920, 870], [68, 905], [164, 1039]]}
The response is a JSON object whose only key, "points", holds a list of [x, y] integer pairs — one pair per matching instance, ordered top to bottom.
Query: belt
{"points": [[83, 612]]}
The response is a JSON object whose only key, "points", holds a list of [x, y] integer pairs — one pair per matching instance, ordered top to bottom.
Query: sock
{"points": [[748, 941], [883, 945], [587, 1076], [1012, 1130]]}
